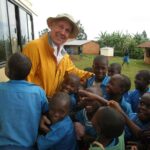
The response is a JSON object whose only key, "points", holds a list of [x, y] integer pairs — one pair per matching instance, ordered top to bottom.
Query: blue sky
{"points": [[98, 16]]}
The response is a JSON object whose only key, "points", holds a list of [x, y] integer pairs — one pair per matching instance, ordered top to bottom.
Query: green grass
{"points": [[130, 70]]}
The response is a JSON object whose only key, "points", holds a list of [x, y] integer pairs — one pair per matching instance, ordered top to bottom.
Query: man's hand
{"points": [[44, 122]]}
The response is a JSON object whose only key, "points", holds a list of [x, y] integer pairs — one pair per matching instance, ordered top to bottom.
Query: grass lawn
{"points": [[130, 70]]}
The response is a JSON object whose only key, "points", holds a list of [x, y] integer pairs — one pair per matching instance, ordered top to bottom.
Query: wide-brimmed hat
{"points": [[75, 29]]}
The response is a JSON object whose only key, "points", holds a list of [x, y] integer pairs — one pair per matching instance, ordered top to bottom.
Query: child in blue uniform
{"points": [[126, 57], [114, 68], [100, 79], [142, 81], [127, 83], [70, 85], [116, 89], [21, 106], [85, 115], [142, 117], [138, 123], [109, 125], [61, 135]]}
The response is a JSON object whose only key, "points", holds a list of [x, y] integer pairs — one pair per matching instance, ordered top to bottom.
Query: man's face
{"points": [[60, 32]]}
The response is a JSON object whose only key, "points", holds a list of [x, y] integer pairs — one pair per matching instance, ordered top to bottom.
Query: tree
{"points": [[82, 35], [122, 41]]}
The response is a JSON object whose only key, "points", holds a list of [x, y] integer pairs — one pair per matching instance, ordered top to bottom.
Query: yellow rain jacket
{"points": [[45, 71]]}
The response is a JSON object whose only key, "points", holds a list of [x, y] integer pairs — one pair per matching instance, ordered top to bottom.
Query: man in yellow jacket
{"points": [[49, 59]]}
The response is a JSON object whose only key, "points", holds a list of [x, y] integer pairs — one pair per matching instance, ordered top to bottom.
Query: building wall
{"points": [[91, 48], [147, 56]]}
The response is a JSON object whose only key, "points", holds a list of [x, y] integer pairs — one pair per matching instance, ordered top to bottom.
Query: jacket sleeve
{"points": [[81, 73]]}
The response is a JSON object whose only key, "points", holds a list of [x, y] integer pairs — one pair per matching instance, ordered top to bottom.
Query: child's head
{"points": [[18, 67], [100, 67], [114, 68], [142, 80], [71, 83], [127, 83], [116, 85], [59, 106], [91, 106], [144, 108], [108, 123]]}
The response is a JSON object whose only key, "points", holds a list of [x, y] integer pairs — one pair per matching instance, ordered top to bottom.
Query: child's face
{"points": [[100, 70], [112, 71], [140, 83], [68, 86], [113, 86], [91, 106], [144, 107], [57, 112]]}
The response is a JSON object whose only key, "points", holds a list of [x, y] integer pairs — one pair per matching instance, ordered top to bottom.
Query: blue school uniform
{"points": [[126, 59], [103, 84], [126, 96], [134, 99], [73, 100], [21, 106], [125, 106], [81, 116], [143, 125], [60, 137]]}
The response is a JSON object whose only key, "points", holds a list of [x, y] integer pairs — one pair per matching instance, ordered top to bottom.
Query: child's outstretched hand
{"points": [[86, 95], [115, 105]]}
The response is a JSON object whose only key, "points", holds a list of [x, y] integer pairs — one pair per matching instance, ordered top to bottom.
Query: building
{"points": [[16, 28], [82, 46], [146, 46]]}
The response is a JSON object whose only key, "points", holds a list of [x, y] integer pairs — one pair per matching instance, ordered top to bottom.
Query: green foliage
{"points": [[82, 35], [122, 41]]}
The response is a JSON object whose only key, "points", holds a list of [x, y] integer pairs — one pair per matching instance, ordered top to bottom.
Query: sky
{"points": [[96, 16]]}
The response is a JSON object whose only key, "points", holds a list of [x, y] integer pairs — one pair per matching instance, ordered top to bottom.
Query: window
{"points": [[16, 28], [5, 49]]}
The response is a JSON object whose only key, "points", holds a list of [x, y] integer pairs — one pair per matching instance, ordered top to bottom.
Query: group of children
{"points": [[101, 113]]}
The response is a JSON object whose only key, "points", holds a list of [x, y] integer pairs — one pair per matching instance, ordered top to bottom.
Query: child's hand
{"points": [[86, 95], [115, 105], [44, 122], [80, 130]]}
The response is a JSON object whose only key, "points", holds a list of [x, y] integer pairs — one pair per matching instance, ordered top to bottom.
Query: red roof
{"points": [[144, 45]]}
